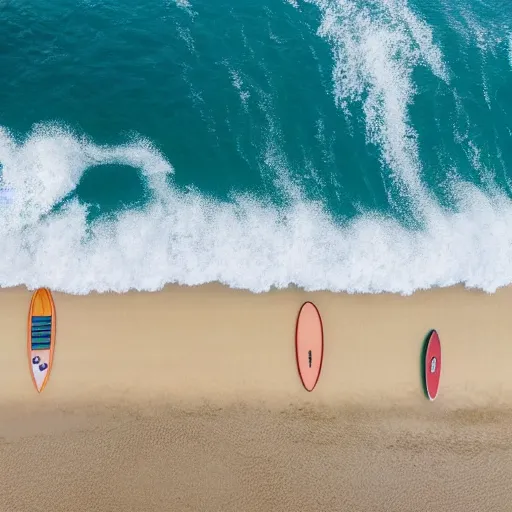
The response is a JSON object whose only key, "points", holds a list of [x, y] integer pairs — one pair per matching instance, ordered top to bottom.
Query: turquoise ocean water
{"points": [[359, 145]]}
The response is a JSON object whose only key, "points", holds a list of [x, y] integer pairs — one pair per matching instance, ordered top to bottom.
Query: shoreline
{"points": [[211, 342], [189, 399]]}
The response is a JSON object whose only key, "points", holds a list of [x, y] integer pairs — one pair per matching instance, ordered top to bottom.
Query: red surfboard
{"points": [[309, 345], [432, 365]]}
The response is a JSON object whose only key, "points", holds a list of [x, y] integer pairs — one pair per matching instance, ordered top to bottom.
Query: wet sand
{"points": [[189, 399]]}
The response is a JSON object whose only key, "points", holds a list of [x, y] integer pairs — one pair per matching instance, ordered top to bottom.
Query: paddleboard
{"points": [[41, 337], [309, 345], [432, 369]]}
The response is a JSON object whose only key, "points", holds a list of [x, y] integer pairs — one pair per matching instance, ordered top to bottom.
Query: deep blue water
{"points": [[359, 145]]}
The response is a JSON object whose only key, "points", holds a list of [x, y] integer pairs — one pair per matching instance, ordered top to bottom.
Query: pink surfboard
{"points": [[309, 345], [433, 365]]}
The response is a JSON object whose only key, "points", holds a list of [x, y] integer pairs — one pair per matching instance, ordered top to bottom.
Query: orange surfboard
{"points": [[41, 337], [309, 345]]}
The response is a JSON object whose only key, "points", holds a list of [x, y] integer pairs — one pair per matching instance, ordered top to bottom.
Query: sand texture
{"points": [[189, 400]]}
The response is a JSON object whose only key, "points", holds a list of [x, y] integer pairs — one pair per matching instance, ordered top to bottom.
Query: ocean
{"points": [[344, 145]]}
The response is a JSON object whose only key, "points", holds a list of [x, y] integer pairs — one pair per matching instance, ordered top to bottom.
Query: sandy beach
{"points": [[189, 400]]}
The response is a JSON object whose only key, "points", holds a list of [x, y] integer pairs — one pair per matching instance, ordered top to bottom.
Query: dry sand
{"points": [[189, 400]]}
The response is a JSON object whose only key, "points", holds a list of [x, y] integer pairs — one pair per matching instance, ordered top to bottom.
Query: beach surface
{"points": [[189, 399]]}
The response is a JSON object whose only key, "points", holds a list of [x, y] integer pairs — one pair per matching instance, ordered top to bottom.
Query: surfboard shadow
{"points": [[422, 362]]}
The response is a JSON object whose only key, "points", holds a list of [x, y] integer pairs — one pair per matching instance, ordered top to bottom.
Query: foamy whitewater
{"points": [[360, 146]]}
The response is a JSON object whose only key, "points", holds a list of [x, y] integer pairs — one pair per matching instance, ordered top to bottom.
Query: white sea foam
{"points": [[184, 4], [487, 34], [186, 36], [488, 37], [376, 46], [238, 84], [188, 239]]}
